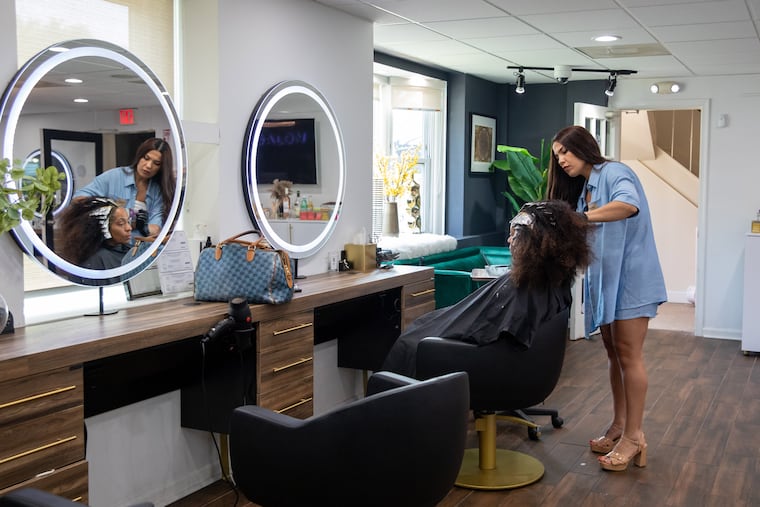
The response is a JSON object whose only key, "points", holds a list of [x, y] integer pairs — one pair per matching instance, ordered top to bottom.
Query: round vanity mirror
{"points": [[84, 106], [293, 135]]}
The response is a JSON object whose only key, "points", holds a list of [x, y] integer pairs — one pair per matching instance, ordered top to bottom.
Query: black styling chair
{"points": [[506, 382], [401, 445], [31, 497]]}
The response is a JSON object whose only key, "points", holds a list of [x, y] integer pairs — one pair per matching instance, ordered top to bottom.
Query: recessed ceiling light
{"points": [[607, 38], [73, 80], [81, 101]]}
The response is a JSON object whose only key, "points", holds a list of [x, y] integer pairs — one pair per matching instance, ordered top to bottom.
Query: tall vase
{"points": [[390, 219], [3, 313]]}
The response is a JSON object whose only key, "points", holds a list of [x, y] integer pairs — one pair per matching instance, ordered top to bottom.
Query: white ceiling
{"points": [[483, 37]]}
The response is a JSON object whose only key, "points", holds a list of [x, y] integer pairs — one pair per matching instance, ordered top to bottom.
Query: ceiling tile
{"points": [[692, 13], [489, 27]]}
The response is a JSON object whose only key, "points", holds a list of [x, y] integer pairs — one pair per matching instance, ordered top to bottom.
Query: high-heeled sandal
{"points": [[604, 444], [617, 461]]}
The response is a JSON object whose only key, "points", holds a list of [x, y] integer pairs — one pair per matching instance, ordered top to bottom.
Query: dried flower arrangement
{"points": [[397, 173], [280, 189]]}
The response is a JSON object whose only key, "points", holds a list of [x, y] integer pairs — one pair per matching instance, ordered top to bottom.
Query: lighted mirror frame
{"points": [[13, 101], [253, 200]]}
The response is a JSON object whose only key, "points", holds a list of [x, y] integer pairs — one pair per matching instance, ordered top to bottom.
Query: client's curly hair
{"points": [[81, 232], [550, 251]]}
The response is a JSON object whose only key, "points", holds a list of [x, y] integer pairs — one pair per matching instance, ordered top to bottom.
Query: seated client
{"points": [[549, 246]]}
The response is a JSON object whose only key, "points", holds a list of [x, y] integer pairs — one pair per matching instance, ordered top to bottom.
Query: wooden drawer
{"points": [[419, 293], [419, 299], [281, 332], [285, 364], [31, 397], [294, 399], [38, 445], [69, 482]]}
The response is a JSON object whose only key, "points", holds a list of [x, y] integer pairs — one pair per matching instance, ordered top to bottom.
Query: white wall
{"points": [[729, 182]]}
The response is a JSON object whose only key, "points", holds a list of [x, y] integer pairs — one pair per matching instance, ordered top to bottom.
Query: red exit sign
{"points": [[126, 116]]}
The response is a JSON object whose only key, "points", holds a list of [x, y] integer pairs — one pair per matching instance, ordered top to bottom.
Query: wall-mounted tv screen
{"points": [[287, 151]]}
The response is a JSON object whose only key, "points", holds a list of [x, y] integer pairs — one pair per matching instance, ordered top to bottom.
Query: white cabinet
{"points": [[750, 319]]}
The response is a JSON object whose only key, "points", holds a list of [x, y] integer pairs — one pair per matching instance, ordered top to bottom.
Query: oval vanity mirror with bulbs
{"points": [[84, 127], [293, 135]]}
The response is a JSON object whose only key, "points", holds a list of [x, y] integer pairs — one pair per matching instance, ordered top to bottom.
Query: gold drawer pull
{"points": [[428, 291], [294, 328], [291, 365], [37, 396], [294, 405], [37, 449]]}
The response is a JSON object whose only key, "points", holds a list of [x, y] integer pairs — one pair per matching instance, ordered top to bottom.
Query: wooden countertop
{"points": [[51, 345]]}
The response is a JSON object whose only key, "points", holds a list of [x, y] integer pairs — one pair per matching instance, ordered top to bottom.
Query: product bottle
{"points": [[297, 203], [286, 204], [311, 204], [304, 208], [756, 223]]}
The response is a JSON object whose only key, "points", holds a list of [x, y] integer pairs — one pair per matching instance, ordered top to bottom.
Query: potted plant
{"points": [[526, 174], [21, 196]]}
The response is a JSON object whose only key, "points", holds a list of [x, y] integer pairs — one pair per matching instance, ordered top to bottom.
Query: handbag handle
{"points": [[251, 245]]}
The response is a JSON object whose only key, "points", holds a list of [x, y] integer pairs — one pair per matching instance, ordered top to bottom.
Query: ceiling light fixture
{"points": [[607, 38], [562, 74], [73, 80], [520, 83], [612, 83], [665, 87]]}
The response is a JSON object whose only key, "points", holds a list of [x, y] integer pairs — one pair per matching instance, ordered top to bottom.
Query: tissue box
{"points": [[362, 257]]}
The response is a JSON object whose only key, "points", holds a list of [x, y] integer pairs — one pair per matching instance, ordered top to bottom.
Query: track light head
{"points": [[520, 83], [611, 84]]}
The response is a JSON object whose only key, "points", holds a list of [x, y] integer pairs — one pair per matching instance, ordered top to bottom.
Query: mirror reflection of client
{"points": [[147, 186], [97, 233], [548, 242]]}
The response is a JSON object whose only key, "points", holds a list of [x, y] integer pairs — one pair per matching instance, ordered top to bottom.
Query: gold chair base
{"points": [[512, 470]]}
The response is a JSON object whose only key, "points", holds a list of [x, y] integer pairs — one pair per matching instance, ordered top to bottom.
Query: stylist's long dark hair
{"points": [[580, 143], [165, 177]]}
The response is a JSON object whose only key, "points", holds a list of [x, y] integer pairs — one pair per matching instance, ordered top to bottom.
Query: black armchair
{"points": [[506, 381], [401, 445]]}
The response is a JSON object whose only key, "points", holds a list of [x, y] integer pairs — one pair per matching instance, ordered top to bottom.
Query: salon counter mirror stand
{"points": [[30, 106], [280, 107]]}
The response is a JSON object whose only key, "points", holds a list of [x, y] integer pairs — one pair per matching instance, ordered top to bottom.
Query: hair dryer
{"points": [[238, 322]]}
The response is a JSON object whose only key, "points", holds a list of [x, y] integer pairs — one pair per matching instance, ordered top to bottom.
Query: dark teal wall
{"points": [[476, 212]]}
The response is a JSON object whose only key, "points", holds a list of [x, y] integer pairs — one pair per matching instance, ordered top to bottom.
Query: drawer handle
{"points": [[428, 291], [294, 328], [291, 365], [37, 396], [294, 405], [37, 449]]}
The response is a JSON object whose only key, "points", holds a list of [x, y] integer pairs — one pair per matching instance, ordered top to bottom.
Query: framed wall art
{"points": [[483, 148]]}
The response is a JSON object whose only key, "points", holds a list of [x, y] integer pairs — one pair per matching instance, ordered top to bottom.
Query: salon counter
{"points": [[42, 385]]}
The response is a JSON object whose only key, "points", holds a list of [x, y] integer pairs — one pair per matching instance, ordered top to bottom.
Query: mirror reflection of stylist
{"points": [[147, 186], [97, 233]]}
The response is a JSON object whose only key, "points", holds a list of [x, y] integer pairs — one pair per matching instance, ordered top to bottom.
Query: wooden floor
{"points": [[702, 424]]}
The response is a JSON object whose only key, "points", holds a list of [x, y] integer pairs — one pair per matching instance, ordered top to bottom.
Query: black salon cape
{"points": [[497, 310]]}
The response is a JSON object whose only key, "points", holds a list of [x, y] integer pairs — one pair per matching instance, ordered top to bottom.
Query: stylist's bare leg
{"points": [[628, 340], [604, 443]]}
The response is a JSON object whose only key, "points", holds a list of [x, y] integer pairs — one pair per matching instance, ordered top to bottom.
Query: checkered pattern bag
{"points": [[248, 269]]}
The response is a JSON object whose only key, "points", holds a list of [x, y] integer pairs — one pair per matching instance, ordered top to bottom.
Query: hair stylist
{"points": [[147, 186], [624, 285]]}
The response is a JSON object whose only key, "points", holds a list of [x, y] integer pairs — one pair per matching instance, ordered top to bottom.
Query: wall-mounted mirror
{"points": [[83, 105], [294, 135]]}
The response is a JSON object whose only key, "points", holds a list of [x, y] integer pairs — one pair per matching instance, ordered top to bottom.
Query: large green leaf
{"points": [[526, 175]]}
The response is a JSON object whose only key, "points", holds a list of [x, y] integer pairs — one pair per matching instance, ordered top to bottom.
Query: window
{"points": [[410, 110]]}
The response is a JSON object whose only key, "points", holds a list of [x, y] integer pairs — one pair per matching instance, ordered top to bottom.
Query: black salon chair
{"points": [[506, 382], [401, 445], [31, 497]]}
